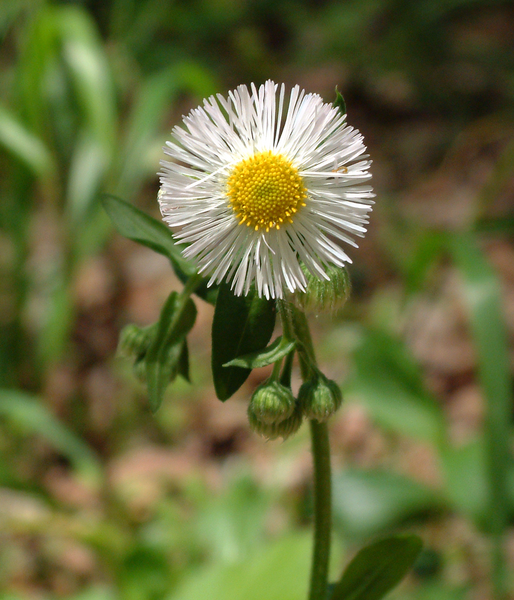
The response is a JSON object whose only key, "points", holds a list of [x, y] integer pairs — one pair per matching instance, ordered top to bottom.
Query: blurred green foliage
{"points": [[88, 93]]}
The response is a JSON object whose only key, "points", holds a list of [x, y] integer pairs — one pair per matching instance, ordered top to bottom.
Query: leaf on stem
{"points": [[139, 227], [242, 325], [271, 354], [165, 356], [378, 568]]}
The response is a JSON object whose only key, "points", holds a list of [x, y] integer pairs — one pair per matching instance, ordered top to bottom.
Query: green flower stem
{"points": [[190, 287], [188, 290], [295, 326], [306, 353], [287, 371], [275, 375], [322, 510]]}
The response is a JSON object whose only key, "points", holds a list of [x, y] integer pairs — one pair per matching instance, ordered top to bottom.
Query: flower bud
{"points": [[322, 295], [134, 340], [319, 398], [272, 402], [271, 431]]}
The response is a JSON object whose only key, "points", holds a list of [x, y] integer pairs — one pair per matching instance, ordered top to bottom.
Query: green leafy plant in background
{"points": [[61, 129], [477, 476]]}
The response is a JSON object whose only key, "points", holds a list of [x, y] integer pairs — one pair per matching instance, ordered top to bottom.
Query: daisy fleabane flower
{"points": [[258, 185]]}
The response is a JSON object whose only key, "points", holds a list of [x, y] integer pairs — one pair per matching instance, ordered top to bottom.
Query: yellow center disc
{"points": [[265, 191]]}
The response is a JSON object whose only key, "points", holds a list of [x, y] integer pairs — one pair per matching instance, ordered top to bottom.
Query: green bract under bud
{"points": [[323, 295], [319, 398], [272, 402], [272, 431]]}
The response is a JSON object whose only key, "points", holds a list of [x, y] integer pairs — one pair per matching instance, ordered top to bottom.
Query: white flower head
{"points": [[259, 185]]}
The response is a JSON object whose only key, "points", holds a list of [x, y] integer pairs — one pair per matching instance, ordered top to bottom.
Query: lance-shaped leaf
{"points": [[139, 227], [242, 325], [277, 350], [164, 358], [378, 568]]}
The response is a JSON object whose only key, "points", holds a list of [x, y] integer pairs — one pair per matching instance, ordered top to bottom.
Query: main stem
{"points": [[295, 325], [322, 510]]}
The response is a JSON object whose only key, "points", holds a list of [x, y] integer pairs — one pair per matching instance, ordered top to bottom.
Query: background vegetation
{"points": [[99, 499]]}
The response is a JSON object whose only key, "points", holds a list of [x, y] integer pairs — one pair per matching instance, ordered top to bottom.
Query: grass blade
{"points": [[483, 299]]}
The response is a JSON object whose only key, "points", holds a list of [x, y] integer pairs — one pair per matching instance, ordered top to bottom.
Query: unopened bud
{"points": [[322, 295], [134, 341], [319, 398], [272, 402], [272, 431]]}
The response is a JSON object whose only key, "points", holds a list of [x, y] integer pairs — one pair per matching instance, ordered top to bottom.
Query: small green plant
{"points": [[253, 208]]}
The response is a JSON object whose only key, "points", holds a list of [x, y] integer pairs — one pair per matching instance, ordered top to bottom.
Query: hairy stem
{"points": [[295, 325], [322, 510]]}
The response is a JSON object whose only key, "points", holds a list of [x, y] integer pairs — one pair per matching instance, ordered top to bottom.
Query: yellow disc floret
{"points": [[265, 191]]}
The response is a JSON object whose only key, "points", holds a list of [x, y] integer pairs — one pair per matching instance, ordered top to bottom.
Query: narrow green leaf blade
{"points": [[88, 66], [143, 125], [24, 145], [139, 227], [482, 296], [241, 325], [277, 350], [29, 413], [378, 568]]}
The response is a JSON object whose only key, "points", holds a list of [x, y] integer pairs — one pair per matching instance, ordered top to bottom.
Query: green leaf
{"points": [[37, 58], [87, 63], [339, 102], [151, 105], [24, 145], [87, 169], [139, 227], [429, 247], [482, 296], [58, 321], [241, 325], [165, 352], [274, 352], [389, 383], [33, 416], [465, 476], [367, 503], [232, 524], [378, 568], [270, 573], [437, 590]]}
